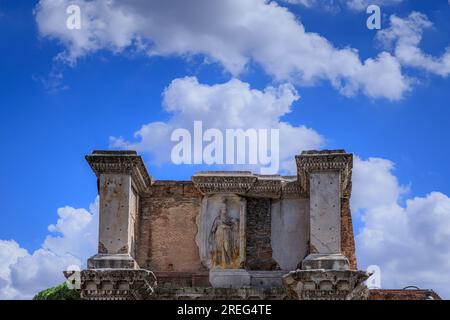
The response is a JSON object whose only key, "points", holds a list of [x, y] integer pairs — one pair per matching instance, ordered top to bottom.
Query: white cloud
{"points": [[306, 3], [358, 5], [362, 5], [232, 33], [405, 36], [231, 105], [374, 184], [73, 225], [73, 239], [411, 241], [10, 251]]}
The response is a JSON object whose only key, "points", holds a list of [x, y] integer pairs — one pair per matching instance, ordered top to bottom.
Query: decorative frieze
{"points": [[210, 182], [247, 184], [268, 186], [290, 188]]}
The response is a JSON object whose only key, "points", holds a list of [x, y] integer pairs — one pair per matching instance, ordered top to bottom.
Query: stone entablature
{"points": [[121, 162], [247, 184], [225, 229]]}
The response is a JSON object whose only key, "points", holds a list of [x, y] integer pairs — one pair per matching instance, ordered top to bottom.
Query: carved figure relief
{"points": [[221, 237], [224, 240]]}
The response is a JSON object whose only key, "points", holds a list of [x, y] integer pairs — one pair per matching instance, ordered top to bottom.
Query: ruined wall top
{"points": [[238, 182]]}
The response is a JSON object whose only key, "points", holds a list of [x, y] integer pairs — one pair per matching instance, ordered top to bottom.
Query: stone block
{"points": [[325, 212], [289, 231], [111, 261], [326, 262], [229, 278], [267, 279]]}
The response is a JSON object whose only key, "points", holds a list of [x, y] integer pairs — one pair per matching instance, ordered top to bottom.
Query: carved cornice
{"points": [[323, 161], [121, 162], [210, 182], [247, 184], [266, 186], [275, 186], [291, 189]]}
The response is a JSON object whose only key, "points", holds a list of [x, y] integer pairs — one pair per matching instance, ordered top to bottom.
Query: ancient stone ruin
{"points": [[224, 234]]}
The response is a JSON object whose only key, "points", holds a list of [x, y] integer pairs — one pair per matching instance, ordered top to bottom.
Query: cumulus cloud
{"points": [[232, 33], [404, 36], [230, 105], [367, 178], [72, 240], [409, 240], [10, 252]]}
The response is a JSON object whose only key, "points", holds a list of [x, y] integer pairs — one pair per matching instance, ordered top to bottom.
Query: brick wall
{"points": [[167, 228], [347, 238], [165, 239], [259, 250]]}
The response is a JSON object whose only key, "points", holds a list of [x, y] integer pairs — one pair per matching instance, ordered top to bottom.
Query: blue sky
{"points": [[48, 125]]}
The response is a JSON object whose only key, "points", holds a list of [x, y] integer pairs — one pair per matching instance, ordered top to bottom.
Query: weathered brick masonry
{"points": [[347, 237], [259, 250]]}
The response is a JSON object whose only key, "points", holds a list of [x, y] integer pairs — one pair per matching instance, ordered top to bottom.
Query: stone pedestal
{"points": [[111, 261], [325, 261], [240, 278]]}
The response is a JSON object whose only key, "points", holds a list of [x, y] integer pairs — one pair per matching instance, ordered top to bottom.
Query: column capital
{"points": [[325, 161], [121, 162]]}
